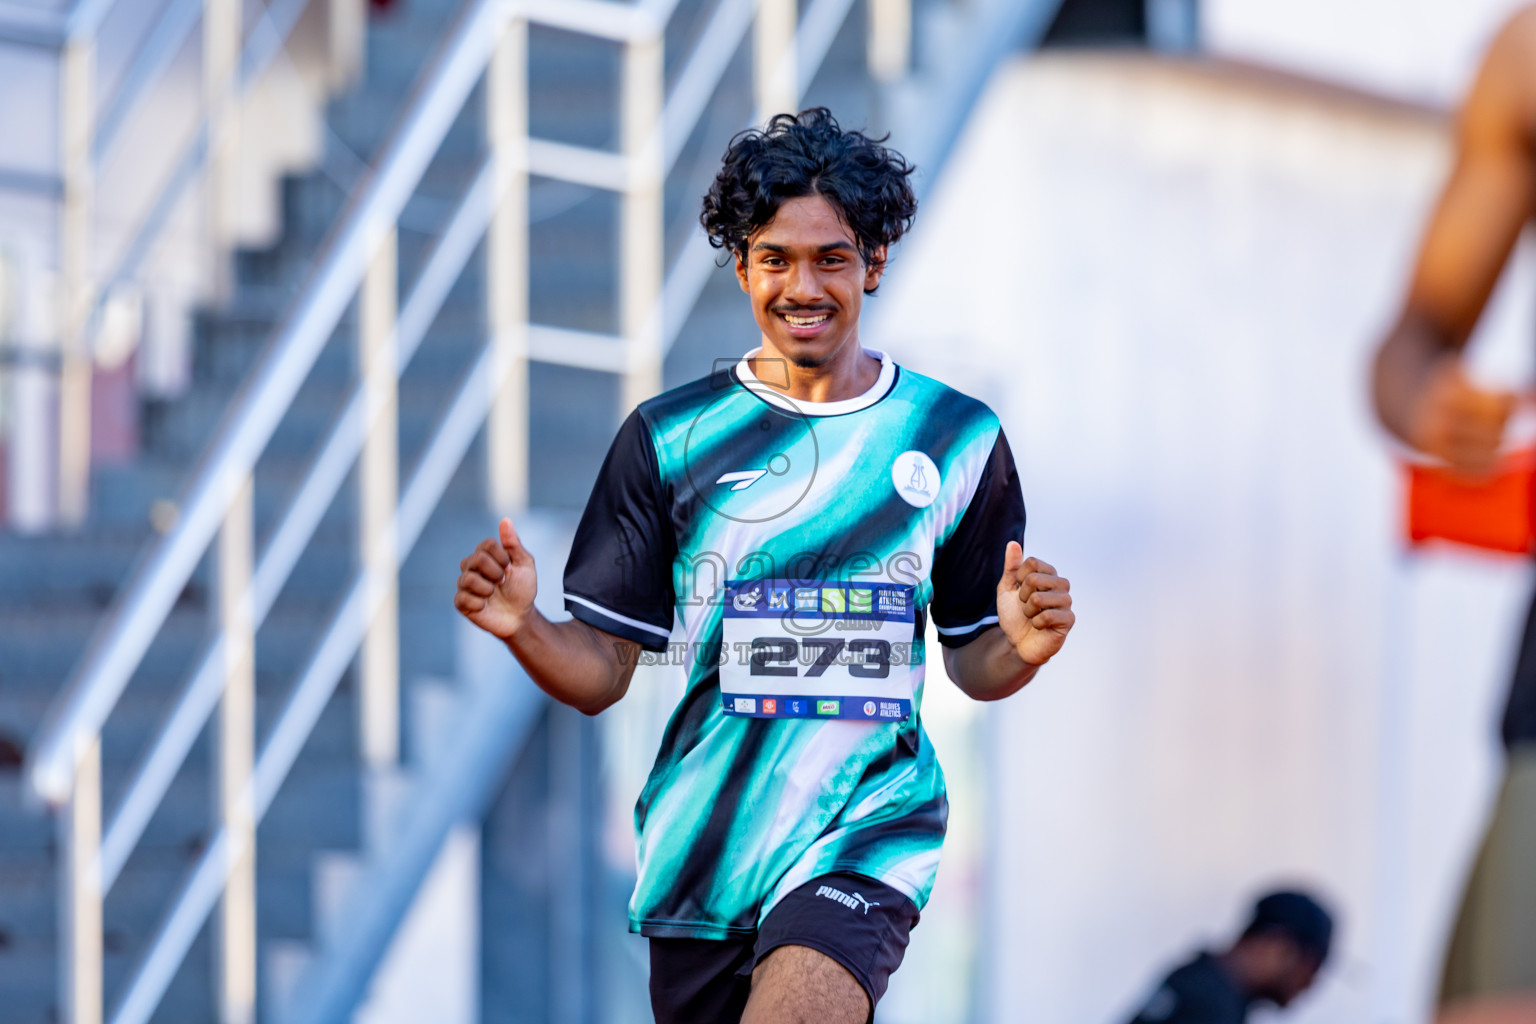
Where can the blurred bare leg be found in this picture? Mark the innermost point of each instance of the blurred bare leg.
(798, 985)
(1491, 1010)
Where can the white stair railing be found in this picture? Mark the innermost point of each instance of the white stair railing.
(90, 126)
(65, 765)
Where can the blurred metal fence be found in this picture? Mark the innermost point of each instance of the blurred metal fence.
(90, 126)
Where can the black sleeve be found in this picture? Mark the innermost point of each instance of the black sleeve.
(968, 565)
(619, 577)
(1197, 993)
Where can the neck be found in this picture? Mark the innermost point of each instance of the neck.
(1240, 968)
(847, 374)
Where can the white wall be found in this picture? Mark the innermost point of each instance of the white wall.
(1168, 284)
(1422, 50)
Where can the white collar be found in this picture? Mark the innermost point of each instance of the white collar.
(774, 396)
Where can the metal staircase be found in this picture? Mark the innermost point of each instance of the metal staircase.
(54, 590)
(275, 570)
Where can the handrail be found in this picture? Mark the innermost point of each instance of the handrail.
(267, 39)
(357, 259)
(319, 487)
(28, 26)
(73, 34)
(53, 29)
(493, 728)
(170, 30)
(144, 603)
(316, 683)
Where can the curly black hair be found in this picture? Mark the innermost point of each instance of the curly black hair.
(804, 156)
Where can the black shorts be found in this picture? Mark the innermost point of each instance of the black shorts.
(859, 922)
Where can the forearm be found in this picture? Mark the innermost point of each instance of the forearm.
(988, 668)
(1403, 367)
(573, 662)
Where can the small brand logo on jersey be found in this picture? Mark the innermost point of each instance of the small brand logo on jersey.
(770, 706)
(778, 600)
(742, 479)
(784, 437)
(746, 705)
(869, 708)
(893, 602)
(825, 707)
(854, 902)
(807, 599)
(746, 600)
(915, 478)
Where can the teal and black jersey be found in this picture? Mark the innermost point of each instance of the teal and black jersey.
(801, 547)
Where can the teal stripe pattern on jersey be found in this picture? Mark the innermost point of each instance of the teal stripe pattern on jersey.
(817, 498)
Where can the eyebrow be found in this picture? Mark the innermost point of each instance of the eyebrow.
(784, 249)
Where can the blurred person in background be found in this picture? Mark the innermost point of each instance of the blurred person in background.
(1424, 396)
(789, 833)
(1274, 960)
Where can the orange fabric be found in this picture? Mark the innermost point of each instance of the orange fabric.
(1494, 513)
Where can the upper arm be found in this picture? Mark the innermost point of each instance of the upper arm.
(618, 579)
(969, 562)
(1491, 190)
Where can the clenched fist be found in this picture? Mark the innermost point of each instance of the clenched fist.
(497, 584)
(1458, 421)
(1034, 606)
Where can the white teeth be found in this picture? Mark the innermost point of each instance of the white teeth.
(806, 321)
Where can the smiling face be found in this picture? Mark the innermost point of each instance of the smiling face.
(807, 281)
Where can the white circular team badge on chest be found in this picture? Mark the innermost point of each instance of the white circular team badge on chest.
(916, 478)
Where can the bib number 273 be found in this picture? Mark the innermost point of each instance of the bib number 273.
(785, 656)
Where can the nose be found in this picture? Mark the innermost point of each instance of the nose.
(804, 285)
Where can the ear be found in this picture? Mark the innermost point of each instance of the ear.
(874, 270)
(741, 272)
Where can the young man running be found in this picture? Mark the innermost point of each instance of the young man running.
(803, 513)
(1424, 397)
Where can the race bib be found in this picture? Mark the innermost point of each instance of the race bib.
(819, 649)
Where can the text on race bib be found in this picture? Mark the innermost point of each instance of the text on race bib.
(817, 649)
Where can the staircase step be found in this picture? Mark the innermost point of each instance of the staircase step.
(362, 121)
(432, 378)
(140, 900)
(284, 963)
(335, 876)
(151, 881)
(43, 644)
(574, 88)
(436, 708)
(386, 792)
(136, 722)
(29, 981)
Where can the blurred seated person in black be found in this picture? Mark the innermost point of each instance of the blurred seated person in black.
(1274, 960)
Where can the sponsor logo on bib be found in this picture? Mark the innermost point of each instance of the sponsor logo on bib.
(827, 649)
